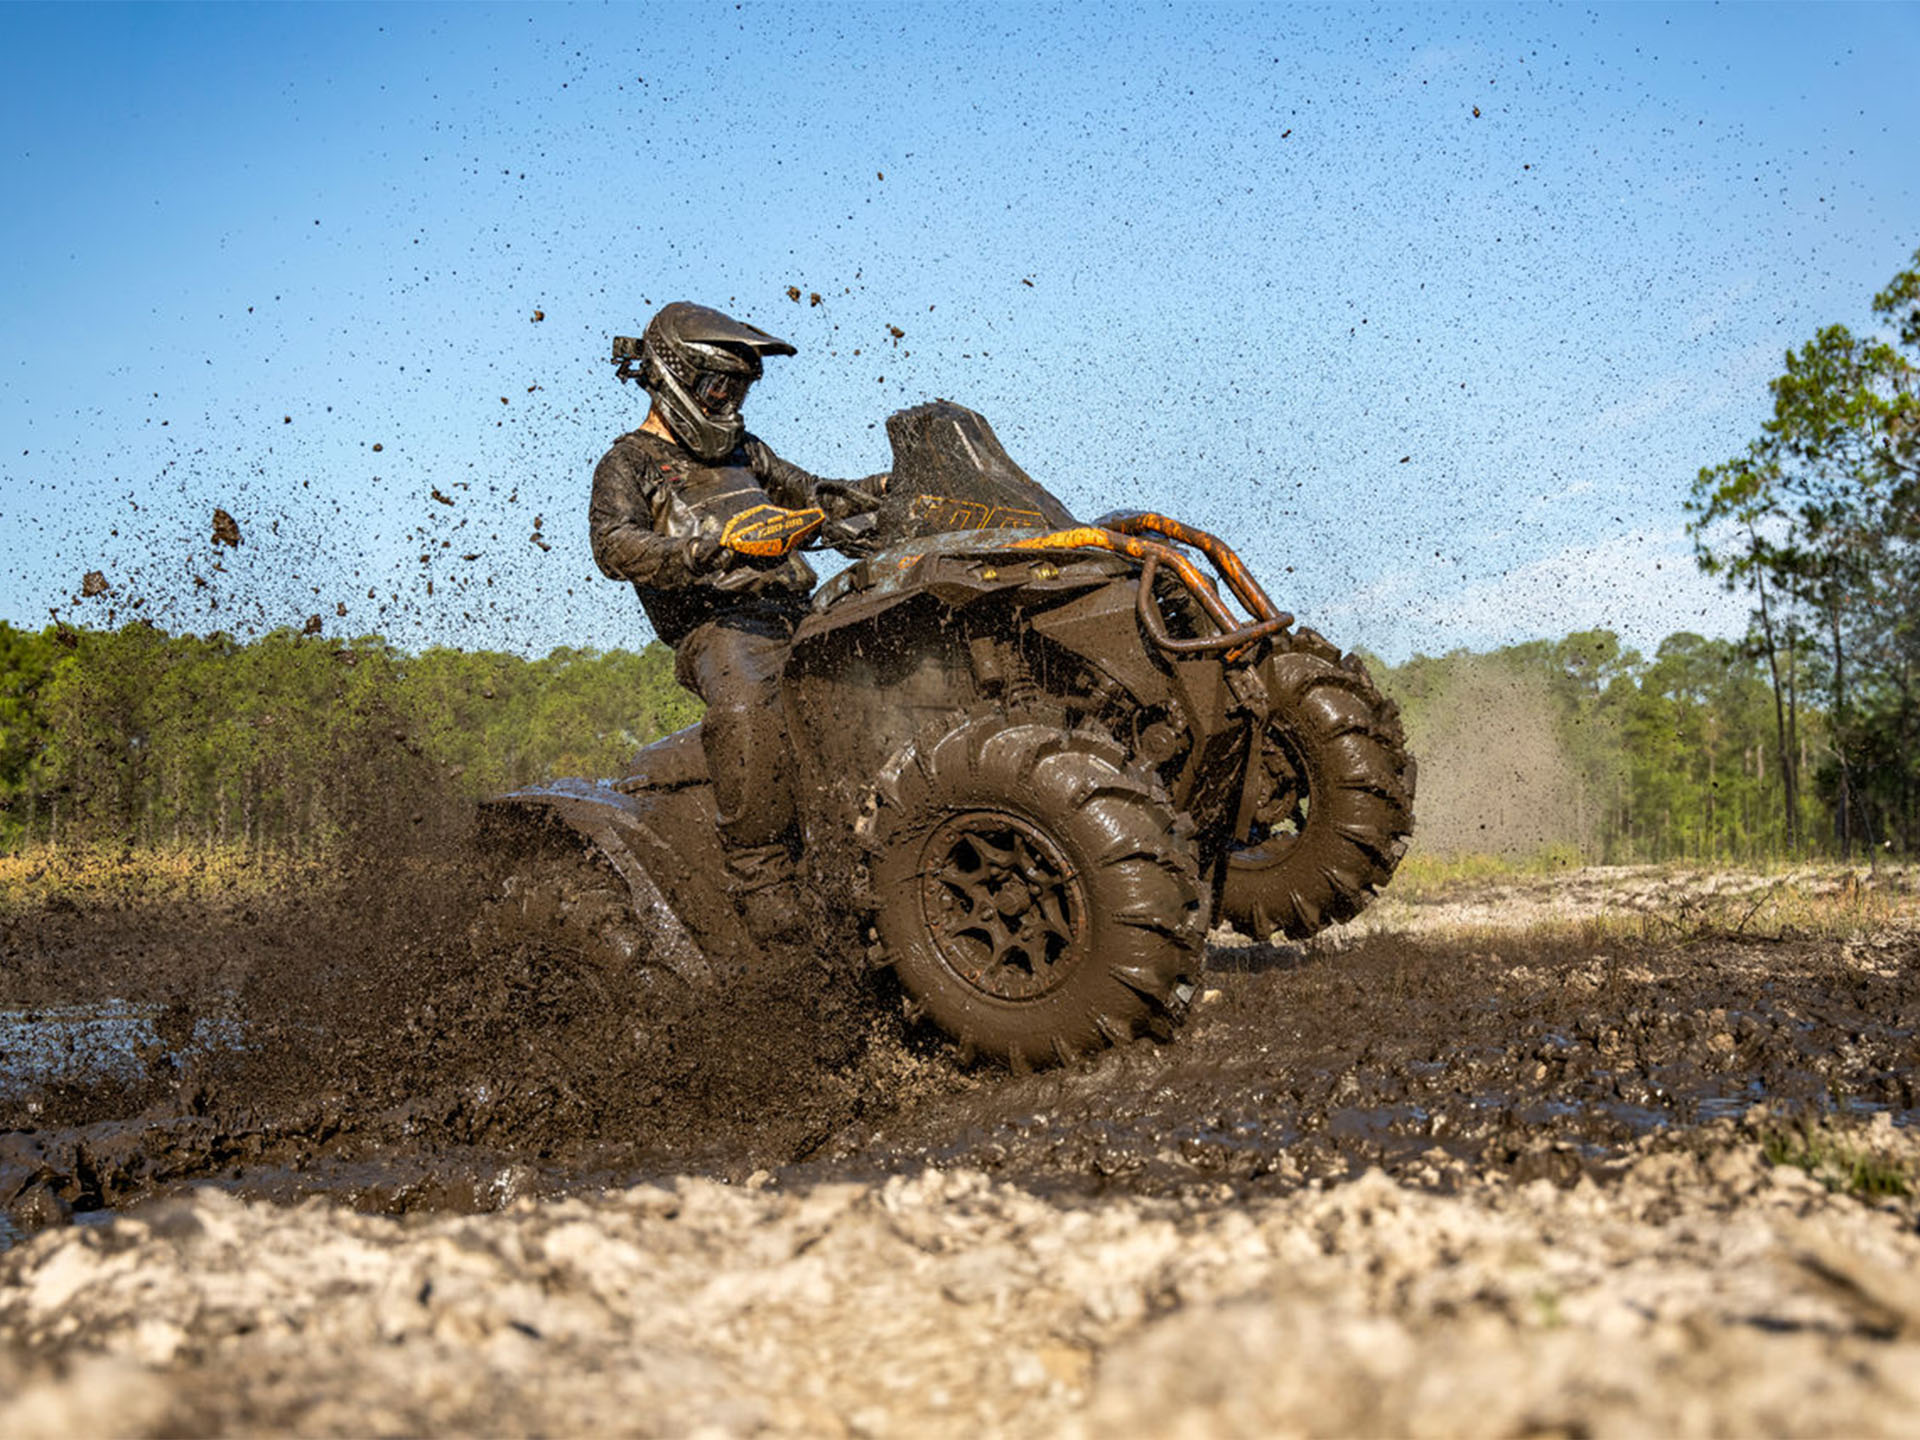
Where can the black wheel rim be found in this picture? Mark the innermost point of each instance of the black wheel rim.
(1005, 908)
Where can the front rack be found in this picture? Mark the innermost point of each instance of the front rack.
(1123, 532)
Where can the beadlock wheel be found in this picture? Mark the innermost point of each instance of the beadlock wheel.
(1035, 898)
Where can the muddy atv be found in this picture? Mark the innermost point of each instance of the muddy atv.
(1035, 761)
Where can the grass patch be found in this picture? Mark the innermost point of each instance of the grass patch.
(1423, 873)
(61, 876)
(1552, 896)
(1803, 904)
(1838, 1163)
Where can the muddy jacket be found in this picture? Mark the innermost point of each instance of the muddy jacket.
(656, 516)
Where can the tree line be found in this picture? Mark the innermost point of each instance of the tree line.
(135, 735)
(277, 743)
(1586, 746)
(1818, 522)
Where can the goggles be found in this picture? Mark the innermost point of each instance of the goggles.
(720, 393)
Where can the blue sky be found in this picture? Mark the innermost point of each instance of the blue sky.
(1443, 377)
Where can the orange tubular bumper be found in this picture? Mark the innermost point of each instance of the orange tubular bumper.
(1122, 532)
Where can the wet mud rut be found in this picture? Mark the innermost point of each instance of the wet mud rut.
(1521, 1182)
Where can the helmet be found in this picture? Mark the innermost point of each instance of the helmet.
(697, 365)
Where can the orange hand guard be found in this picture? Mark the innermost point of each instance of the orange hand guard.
(768, 531)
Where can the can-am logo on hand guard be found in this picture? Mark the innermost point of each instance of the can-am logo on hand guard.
(770, 531)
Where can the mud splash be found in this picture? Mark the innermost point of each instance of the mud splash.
(368, 1039)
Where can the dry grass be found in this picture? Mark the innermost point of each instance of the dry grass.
(115, 875)
(1423, 874)
(1473, 898)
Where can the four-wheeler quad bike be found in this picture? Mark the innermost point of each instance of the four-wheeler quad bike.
(1034, 759)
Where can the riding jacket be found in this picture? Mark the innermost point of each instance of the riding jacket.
(657, 513)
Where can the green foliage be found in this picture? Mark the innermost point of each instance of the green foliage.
(26, 663)
(1819, 520)
(1837, 1162)
(1651, 759)
(137, 735)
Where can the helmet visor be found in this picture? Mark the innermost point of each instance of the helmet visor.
(720, 394)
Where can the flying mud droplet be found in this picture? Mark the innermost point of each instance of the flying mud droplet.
(503, 399)
(793, 293)
(443, 499)
(813, 298)
(378, 447)
(340, 608)
(538, 316)
(226, 530)
(94, 582)
(312, 627)
(897, 333)
(540, 540)
(1476, 112)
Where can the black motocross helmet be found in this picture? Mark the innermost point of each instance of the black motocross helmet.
(697, 365)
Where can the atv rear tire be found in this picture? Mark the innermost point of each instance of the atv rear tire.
(560, 901)
(1034, 898)
(1340, 806)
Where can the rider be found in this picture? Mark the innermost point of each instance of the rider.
(703, 518)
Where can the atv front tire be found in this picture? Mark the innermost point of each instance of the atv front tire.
(1339, 802)
(1034, 898)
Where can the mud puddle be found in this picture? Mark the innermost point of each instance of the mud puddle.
(352, 1047)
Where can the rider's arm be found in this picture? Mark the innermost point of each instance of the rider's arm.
(787, 484)
(620, 519)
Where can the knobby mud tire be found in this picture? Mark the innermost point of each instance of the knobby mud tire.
(566, 911)
(1343, 741)
(1035, 899)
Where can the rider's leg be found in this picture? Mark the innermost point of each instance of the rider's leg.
(733, 663)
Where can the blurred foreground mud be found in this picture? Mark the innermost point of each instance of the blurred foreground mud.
(1593, 1173)
(1705, 1294)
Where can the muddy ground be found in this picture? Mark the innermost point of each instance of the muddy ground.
(1465, 1169)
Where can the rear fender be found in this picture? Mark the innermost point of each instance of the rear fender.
(661, 843)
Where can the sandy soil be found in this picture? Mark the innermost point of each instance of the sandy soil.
(1693, 1295)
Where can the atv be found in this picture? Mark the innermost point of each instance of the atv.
(1035, 760)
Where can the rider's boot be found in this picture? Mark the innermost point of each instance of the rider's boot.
(762, 881)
